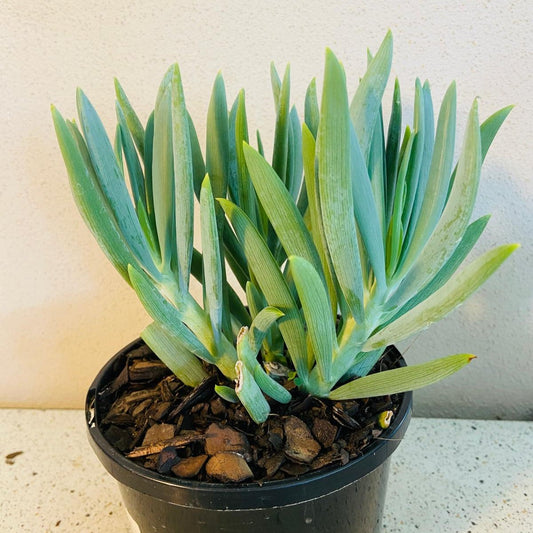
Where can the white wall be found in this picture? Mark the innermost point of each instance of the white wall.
(65, 310)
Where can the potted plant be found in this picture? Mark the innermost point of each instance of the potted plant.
(349, 241)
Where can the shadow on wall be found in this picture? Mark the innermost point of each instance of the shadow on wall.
(494, 324)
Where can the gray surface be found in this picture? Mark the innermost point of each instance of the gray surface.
(447, 476)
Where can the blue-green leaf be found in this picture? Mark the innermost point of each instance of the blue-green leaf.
(334, 179)
(394, 136)
(183, 180)
(312, 113)
(212, 281)
(366, 102)
(454, 219)
(89, 198)
(281, 135)
(272, 284)
(441, 302)
(365, 211)
(112, 182)
(317, 311)
(401, 379)
(163, 173)
(471, 236)
(261, 323)
(133, 123)
(133, 164)
(280, 208)
(174, 353)
(198, 165)
(438, 181)
(250, 394)
(217, 143)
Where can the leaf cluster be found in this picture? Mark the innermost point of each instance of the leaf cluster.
(348, 240)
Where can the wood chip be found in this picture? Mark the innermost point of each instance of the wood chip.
(179, 442)
(189, 467)
(294, 469)
(228, 467)
(217, 407)
(198, 394)
(300, 446)
(225, 439)
(324, 431)
(10, 457)
(159, 433)
(272, 464)
(147, 371)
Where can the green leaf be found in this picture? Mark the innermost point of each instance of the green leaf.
(271, 387)
(198, 165)
(417, 154)
(238, 310)
(133, 123)
(193, 329)
(261, 323)
(401, 379)
(250, 394)
(364, 362)
(442, 301)
(438, 181)
(488, 131)
(471, 236)
(394, 136)
(217, 143)
(163, 173)
(490, 128)
(89, 198)
(366, 102)
(427, 155)
(365, 211)
(212, 282)
(117, 148)
(317, 311)
(272, 284)
(183, 180)
(226, 393)
(454, 219)
(281, 135)
(275, 82)
(148, 182)
(173, 352)
(246, 194)
(260, 148)
(148, 231)
(133, 164)
(317, 229)
(235, 257)
(112, 182)
(334, 179)
(395, 236)
(280, 208)
(312, 113)
(377, 171)
(294, 155)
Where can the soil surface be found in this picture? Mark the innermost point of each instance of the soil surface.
(161, 424)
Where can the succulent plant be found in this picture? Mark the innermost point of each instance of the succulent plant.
(350, 240)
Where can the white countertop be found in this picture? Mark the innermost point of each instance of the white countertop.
(465, 476)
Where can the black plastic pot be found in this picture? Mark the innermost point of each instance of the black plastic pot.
(348, 499)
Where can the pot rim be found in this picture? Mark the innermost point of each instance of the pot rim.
(252, 495)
